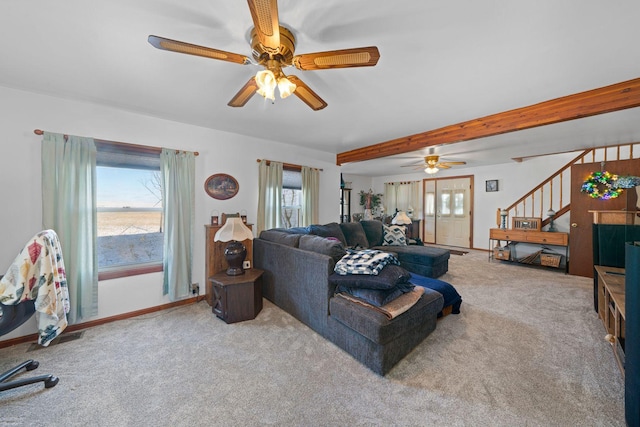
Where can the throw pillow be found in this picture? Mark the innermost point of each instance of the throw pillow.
(377, 297)
(394, 236)
(390, 276)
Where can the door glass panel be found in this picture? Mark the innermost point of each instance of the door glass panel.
(458, 203)
(445, 203)
(430, 204)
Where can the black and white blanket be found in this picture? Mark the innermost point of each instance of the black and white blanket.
(367, 261)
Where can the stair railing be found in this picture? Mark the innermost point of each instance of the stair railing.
(554, 193)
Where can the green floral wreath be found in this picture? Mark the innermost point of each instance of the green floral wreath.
(592, 183)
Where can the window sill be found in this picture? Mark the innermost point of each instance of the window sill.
(129, 271)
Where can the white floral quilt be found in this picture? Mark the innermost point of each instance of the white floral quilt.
(38, 274)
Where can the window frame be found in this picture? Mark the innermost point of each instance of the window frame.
(112, 147)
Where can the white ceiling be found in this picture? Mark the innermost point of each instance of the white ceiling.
(441, 63)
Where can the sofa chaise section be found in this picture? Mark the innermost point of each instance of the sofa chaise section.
(296, 278)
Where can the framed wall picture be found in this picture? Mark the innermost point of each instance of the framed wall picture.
(221, 186)
(492, 185)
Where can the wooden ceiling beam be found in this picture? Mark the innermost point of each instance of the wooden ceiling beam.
(602, 100)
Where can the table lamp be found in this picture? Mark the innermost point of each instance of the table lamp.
(552, 214)
(401, 218)
(234, 231)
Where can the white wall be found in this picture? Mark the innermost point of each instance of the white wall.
(514, 181)
(20, 189)
(358, 183)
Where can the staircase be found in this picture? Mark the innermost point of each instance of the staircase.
(554, 193)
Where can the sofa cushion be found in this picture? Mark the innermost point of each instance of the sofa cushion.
(355, 235)
(390, 276)
(394, 235)
(425, 255)
(374, 231)
(282, 237)
(328, 230)
(376, 326)
(332, 248)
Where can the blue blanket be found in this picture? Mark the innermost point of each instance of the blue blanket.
(451, 296)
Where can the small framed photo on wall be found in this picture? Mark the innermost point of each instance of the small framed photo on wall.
(492, 185)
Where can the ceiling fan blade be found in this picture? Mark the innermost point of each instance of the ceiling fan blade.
(356, 57)
(442, 166)
(454, 163)
(244, 94)
(308, 96)
(192, 49)
(265, 19)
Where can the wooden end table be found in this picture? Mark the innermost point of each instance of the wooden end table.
(236, 298)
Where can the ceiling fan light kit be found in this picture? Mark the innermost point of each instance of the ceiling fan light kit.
(431, 170)
(273, 47)
(432, 164)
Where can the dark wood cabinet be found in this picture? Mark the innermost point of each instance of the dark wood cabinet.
(236, 298)
(413, 229)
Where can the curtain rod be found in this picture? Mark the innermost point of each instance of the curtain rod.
(287, 165)
(41, 132)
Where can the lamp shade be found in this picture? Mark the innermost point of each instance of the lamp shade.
(233, 229)
(266, 82)
(401, 218)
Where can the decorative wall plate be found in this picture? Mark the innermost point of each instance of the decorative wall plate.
(221, 186)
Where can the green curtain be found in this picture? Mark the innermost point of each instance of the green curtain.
(69, 208)
(178, 206)
(310, 196)
(269, 196)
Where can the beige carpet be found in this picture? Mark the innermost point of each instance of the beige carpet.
(527, 350)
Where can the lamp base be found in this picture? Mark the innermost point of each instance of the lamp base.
(235, 254)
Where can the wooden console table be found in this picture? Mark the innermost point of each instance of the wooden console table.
(513, 236)
(611, 307)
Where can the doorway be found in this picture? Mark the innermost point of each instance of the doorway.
(448, 211)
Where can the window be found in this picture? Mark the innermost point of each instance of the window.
(458, 203)
(445, 203)
(291, 198)
(430, 204)
(129, 217)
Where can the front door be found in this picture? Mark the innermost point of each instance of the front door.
(448, 211)
(580, 238)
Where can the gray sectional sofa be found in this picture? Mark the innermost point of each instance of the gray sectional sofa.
(297, 268)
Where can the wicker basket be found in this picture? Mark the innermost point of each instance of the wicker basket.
(550, 260)
(502, 253)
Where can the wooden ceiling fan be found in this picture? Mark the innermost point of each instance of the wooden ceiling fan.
(273, 47)
(432, 164)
